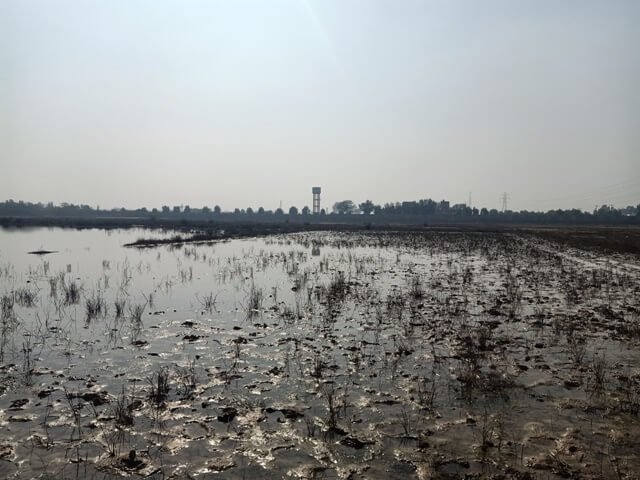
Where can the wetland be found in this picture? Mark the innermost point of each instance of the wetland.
(322, 354)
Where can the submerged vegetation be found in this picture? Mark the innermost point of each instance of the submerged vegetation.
(323, 355)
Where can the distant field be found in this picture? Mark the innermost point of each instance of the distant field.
(620, 239)
(613, 239)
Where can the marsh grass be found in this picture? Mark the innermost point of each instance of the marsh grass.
(122, 411)
(187, 379)
(25, 297)
(405, 421)
(416, 290)
(253, 304)
(136, 311)
(599, 369)
(7, 303)
(27, 360)
(577, 350)
(53, 286)
(329, 393)
(119, 304)
(75, 407)
(208, 302)
(159, 386)
(95, 305)
(427, 391)
(71, 292)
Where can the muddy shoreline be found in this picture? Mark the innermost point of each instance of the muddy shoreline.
(605, 238)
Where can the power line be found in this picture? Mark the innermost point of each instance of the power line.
(597, 192)
(620, 194)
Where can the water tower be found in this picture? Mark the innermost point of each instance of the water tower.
(316, 200)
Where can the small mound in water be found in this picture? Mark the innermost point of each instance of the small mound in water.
(134, 462)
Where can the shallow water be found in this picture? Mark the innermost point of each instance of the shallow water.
(315, 356)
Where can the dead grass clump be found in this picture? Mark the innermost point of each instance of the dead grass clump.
(159, 383)
(71, 292)
(577, 350)
(338, 287)
(25, 297)
(416, 290)
(7, 302)
(120, 303)
(208, 302)
(426, 391)
(53, 287)
(473, 377)
(629, 389)
(599, 368)
(631, 326)
(122, 411)
(187, 379)
(136, 311)
(329, 394)
(254, 302)
(95, 305)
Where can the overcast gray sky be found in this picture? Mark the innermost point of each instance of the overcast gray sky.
(249, 103)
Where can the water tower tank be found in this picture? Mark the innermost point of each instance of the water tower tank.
(316, 199)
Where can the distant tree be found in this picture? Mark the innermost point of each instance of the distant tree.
(293, 211)
(607, 211)
(344, 207)
(261, 211)
(217, 209)
(305, 210)
(279, 211)
(409, 211)
(367, 207)
(427, 206)
(250, 210)
(236, 211)
(187, 209)
(323, 211)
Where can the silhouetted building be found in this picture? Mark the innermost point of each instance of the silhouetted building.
(443, 206)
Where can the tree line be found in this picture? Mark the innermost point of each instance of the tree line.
(421, 211)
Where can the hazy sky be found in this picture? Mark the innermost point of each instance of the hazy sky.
(249, 103)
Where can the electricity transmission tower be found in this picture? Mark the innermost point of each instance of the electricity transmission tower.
(505, 198)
